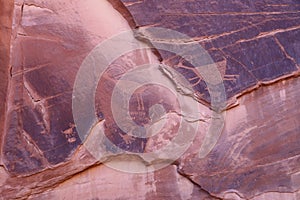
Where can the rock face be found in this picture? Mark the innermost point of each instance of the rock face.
(163, 185)
(5, 33)
(258, 151)
(48, 47)
(253, 42)
(255, 46)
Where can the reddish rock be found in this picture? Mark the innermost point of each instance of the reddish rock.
(164, 184)
(6, 12)
(258, 151)
(48, 47)
(255, 46)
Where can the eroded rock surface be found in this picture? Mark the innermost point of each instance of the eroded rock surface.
(255, 46)
(50, 41)
(164, 184)
(258, 151)
(253, 42)
(6, 12)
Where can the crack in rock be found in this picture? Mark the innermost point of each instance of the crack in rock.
(36, 6)
(27, 88)
(188, 177)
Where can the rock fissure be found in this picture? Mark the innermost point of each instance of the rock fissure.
(188, 177)
(34, 100)
(265, 35)
(285, 53)
(36, 6)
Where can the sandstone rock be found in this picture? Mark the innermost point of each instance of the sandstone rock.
(249, 38)
(249, 42)
(258, 151)
(48, 47)
(5, 33)
(255, 46)
(165, 184)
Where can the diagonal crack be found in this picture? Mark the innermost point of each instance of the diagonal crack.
(30, 94)
(32, 143)
(284, 51)
(188, 177)
(181, 84)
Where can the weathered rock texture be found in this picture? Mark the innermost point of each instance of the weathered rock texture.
(259, 148)
(256, 46)
(49, 44)
(6, 11)
(253, 160)
(165, 184)
(253, 42)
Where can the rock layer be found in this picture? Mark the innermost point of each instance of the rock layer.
(165, 184)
